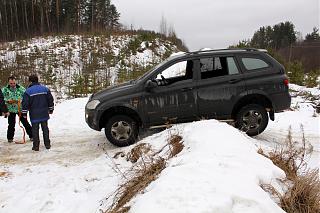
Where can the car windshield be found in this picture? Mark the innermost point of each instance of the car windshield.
(156, 67)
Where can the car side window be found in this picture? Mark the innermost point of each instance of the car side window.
(217, 66)
(254, 63)
(180, 71)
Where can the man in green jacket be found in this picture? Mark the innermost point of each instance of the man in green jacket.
(13, 97)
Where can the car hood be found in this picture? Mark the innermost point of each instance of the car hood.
(113, 90)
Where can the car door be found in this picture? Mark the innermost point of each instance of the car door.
(220, 85)
(174, 98)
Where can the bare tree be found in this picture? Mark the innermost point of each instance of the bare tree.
(16, 15)
(32, 6)
(57, 15)
(92, 14)
(11, 19)
(26, 15)
(172, 32)
(41, 19)
(47, 15)
(163, 26)
(6, 19)
(1, 24)
(78, 15)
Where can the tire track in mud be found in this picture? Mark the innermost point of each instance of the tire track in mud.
(65, 150)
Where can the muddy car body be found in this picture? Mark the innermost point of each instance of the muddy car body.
(239, 85)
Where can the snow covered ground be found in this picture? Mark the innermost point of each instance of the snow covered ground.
(218, 170)
(60, 60)
(303, 116)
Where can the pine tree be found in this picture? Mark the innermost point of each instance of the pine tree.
(314, 36)
(113, 17)
(278, 36)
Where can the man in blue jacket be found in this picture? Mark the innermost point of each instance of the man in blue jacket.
(3, 107)
(39, 102)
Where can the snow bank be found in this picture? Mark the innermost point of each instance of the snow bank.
(219, 170)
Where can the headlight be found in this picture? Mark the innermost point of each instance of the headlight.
(92, 104)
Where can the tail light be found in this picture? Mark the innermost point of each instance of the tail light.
(286, 82)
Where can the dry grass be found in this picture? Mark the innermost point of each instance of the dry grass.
(304, 195)
(291, 156)
(146, 169)
(136, 184)
(303, 185)
(176, 145)
(121, 154)
(137, 152)
(4, 174)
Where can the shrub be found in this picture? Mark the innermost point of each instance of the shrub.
(295, 72)
(311, 79)
(303, 185)
(147, 166)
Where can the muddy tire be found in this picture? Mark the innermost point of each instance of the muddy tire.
(252, 119)
(121, 130)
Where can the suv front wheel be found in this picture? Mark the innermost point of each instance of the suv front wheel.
(252, 119)
(121, 130)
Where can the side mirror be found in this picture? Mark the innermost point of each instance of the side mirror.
(150, 85)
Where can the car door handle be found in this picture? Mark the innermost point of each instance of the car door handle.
(186, 89)
(233, 81)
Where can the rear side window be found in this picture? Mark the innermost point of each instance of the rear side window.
(232, 67)
(217, 66)
(254, 63)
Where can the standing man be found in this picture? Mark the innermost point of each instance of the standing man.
(39, 102)
(13, 96)
(3, 107)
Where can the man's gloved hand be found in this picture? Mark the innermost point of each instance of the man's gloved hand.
(50, 112)
(12, 101)
(24, 115)
(6, 114)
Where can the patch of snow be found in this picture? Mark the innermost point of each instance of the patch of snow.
(304, 115)
(205, 49)
(313, 91)
(218, 170)
(177, 54)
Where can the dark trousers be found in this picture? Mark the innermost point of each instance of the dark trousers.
(12, 124)
(35, 133)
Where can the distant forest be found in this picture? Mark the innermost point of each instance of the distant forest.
(28, 18)
(287, 45)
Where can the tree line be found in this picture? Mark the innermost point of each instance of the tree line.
(279, 36)
(299, 55)
(27, 18)
(276, 37)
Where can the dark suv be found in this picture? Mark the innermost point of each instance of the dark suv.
(237, 85)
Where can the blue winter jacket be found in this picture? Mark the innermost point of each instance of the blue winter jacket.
(38, 101)
(3, 107)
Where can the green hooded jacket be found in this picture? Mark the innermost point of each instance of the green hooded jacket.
(12, 97)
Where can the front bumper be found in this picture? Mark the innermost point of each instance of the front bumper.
(91, 119)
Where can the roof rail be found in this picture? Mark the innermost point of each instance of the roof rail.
(226, 49)
(255, 49)
(205, 51)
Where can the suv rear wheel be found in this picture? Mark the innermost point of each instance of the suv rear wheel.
(121, 130)
(252, 119)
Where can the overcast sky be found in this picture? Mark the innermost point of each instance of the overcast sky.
(218, 23)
